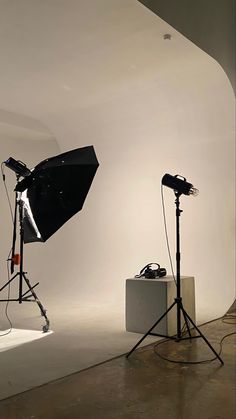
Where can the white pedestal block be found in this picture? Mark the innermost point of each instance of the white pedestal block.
(148, 299)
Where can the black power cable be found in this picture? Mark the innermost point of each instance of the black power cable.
(6, 190)
(229, 316)
(224, 318)
(8, 298)
(8, 272)
(205, 361)
(166, 233)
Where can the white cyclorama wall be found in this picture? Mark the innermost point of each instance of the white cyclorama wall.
(105, 76)
(120, 228)
(138, 137)
(31, 151)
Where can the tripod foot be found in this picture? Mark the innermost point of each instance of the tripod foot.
(45, 327)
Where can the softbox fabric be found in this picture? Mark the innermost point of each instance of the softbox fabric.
(57, 189)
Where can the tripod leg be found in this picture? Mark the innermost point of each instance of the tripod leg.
(8, 282)
(203, 337)
(149, 331)
(29, 290)
(42, 309)
(186, 321)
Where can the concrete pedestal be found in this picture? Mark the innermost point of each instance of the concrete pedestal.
(148, 299)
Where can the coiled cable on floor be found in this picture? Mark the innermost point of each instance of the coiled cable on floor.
(205, 361)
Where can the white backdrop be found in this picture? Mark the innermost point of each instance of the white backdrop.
(148, 108)
(121, 227)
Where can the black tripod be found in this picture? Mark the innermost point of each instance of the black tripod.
(178, 300)
(29, 295)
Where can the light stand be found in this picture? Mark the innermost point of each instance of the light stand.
(49, 195)
(178, 185)
(23, 296)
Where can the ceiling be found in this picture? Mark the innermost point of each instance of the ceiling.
(209, 24)
(62, 58)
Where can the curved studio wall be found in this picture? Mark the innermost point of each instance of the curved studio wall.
(176, 117)
(149, 106)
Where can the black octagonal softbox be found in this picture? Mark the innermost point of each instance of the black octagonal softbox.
(55, 191)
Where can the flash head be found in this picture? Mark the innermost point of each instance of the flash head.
(18, 167)
(179, 184)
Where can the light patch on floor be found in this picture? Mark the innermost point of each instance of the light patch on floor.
(19, 337)
(85, 334)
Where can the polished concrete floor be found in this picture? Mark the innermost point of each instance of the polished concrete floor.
(82, 337)
(143, 386)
